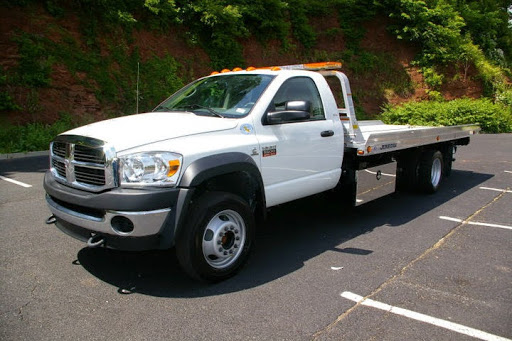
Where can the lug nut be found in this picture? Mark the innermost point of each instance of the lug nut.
(220, 249)
(230, 252)
(236, 231)
(235, 246)
(225, 253)
(237, 238)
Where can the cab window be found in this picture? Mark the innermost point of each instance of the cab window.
(299, 89)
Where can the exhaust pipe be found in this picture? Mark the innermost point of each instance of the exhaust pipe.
(96, 241)
(51, 220)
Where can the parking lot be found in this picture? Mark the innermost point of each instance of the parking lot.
(402, 267)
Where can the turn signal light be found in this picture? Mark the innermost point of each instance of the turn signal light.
(174, 166)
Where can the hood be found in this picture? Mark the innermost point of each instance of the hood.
(136, 130)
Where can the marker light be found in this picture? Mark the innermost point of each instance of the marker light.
(308, 66)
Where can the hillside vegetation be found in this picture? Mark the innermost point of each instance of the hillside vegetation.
(65, 63)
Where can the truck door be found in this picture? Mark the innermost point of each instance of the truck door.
(301, 157)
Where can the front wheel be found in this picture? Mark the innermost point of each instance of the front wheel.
(217, 237)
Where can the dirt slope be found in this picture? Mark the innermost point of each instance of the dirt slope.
(68, 92)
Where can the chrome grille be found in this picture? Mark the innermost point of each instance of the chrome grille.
(90, 176)
(84, 163)
(87, 154)
(59, 149)
(60, 167)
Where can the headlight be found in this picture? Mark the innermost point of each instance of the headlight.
(150, 169)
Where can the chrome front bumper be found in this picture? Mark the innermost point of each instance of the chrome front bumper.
(145, 223)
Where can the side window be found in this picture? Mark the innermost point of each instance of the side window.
(299, 89)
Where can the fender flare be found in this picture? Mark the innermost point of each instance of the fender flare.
(211, 166)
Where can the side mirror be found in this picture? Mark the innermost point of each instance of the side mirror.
(294, 111)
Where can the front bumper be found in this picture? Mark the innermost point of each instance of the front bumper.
(127, 219)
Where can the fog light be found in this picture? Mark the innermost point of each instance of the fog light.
(122, 225)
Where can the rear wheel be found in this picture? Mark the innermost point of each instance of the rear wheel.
(430, 172)
(217, 237)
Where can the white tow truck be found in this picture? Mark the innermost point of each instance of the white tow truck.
(206, 164)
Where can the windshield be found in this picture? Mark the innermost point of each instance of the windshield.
(223, 96)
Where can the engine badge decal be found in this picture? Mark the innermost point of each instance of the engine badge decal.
(246, 129)
(269, 151)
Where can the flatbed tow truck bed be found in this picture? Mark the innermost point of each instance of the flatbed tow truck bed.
(375, 137)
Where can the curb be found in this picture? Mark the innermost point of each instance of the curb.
(22, 155)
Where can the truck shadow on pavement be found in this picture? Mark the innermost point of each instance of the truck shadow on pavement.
(293, 234)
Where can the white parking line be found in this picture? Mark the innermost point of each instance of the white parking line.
(475, 223)
(423, 318)
(496, 189)
(19, 183)
(508, 172)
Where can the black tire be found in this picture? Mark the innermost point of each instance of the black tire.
(430, 171)
(217, 237)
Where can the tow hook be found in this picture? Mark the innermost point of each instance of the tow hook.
(96, 241)
(51, 220)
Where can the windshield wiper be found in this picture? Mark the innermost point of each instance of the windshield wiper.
(160, 108)
(197, 106)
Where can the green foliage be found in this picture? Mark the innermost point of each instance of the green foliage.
(382, 68)
(434, 25)
(302, 31)
(260, 19)
(33, 136)
(35, 65)
(487, 24)
(457, 32)
(158, 80)
(492, 117)
(432, 78)
(352, 13)
(6, 100)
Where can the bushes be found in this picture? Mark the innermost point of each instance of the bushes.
(492, 117)
(33, 136)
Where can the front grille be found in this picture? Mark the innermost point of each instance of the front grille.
(90, 176)
(87, 154)
(60, 167)
(84, 163)
(59, 149)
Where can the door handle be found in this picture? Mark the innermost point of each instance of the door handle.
(327, 133)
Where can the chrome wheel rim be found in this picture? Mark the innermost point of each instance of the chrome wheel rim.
(435, 173)
(223, 239)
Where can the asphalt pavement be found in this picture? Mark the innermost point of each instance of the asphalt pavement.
(402, 267)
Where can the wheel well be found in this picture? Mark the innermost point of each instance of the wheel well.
(240, 183)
